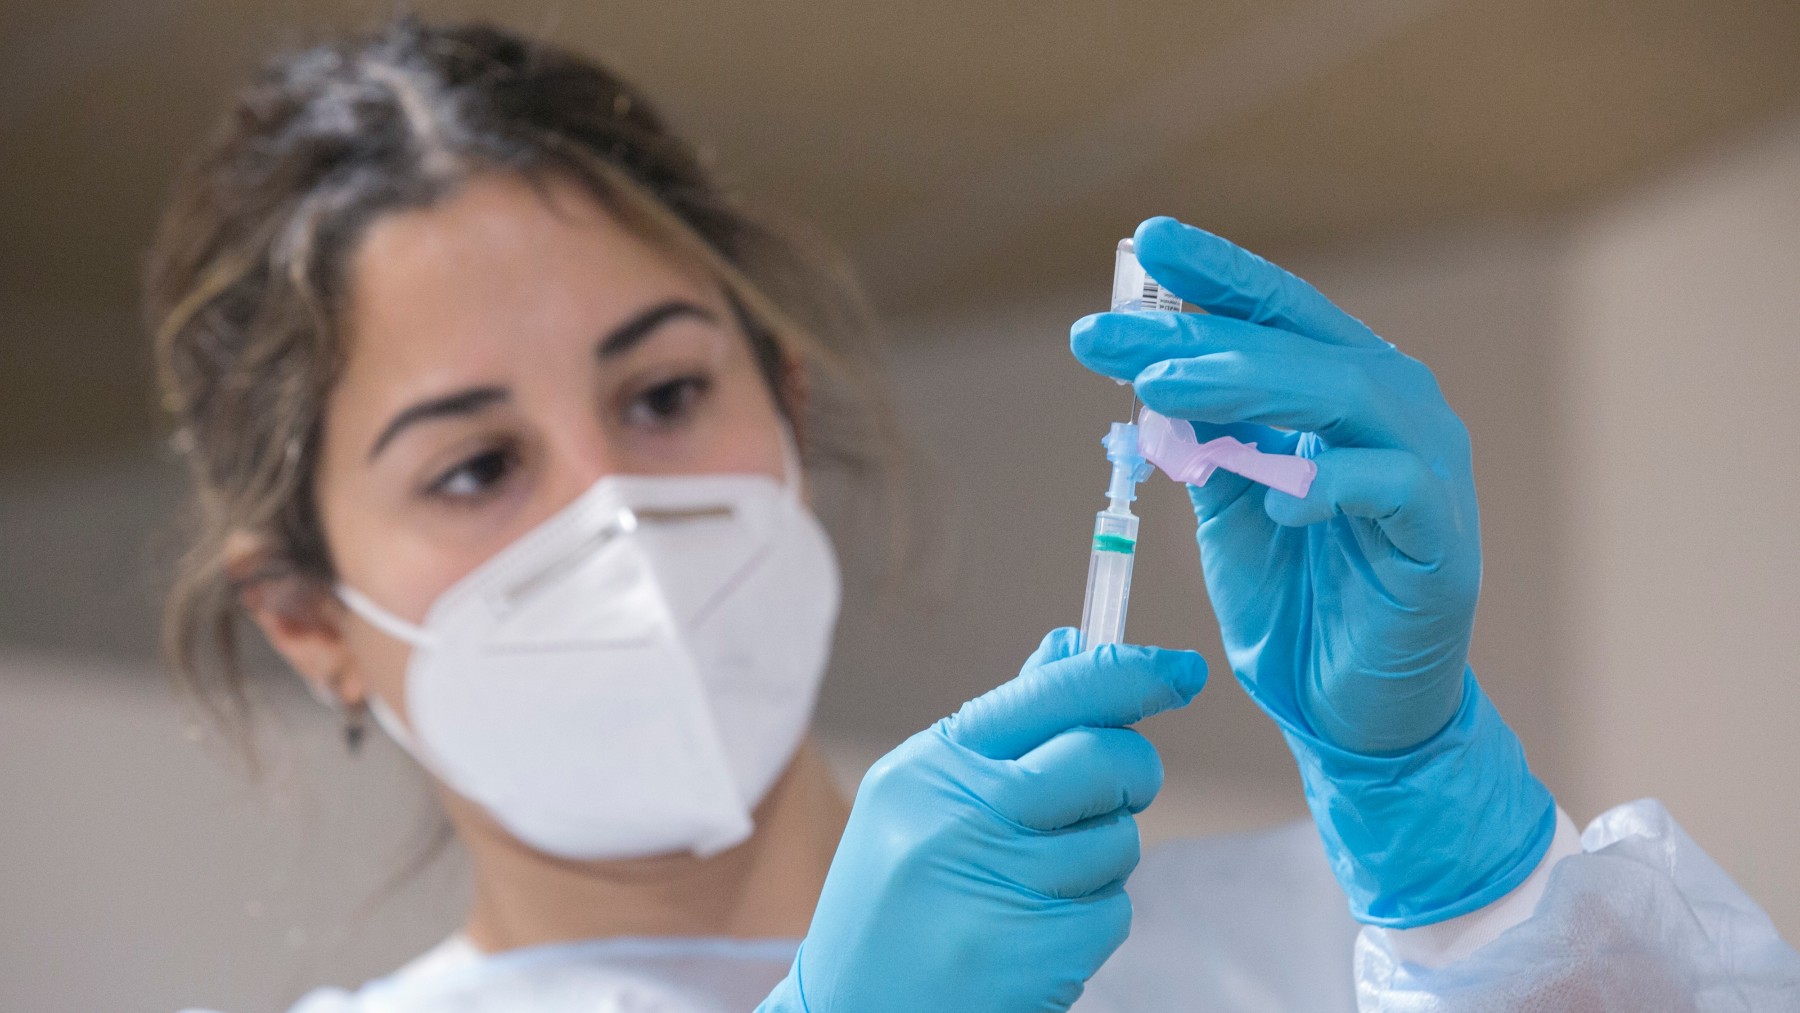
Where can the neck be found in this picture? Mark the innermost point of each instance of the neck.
(764, 887)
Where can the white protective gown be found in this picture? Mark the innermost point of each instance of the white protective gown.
(1629, 916)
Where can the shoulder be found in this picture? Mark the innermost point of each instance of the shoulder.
(327, 1000)
(1255, 919)
(1241, 889)
(441, 960)
(319, 1000)
(690, 974)
(1286, 861)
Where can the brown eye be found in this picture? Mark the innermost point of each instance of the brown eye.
(668, 404)
(475, 476)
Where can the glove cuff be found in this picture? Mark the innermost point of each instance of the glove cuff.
(1443, 829)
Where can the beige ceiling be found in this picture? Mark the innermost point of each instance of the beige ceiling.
(954, 149)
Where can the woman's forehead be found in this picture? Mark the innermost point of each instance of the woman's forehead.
(502, 247)
(503, 268)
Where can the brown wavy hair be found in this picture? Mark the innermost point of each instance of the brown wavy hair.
(245, 283)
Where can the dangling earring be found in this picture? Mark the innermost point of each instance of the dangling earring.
(355, 724)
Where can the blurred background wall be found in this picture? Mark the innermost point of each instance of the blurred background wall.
(1585, 216)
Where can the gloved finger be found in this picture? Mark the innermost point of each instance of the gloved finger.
(1264, 438)
(1122, 345)
(1062, 642)
(1078, 775)
(1345, 405)
(1393, 488)
(1223, 278)
(1086, 931)
(1110, 686)
(1035, 960)
(1111, 913)
(1089, 858)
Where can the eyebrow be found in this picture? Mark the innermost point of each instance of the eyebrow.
(630, 333)
(464, 402)
(616, 342)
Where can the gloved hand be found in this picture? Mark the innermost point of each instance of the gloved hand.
(984, 864)
(1347, 614)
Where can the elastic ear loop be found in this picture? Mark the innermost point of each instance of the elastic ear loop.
(381, 618)
(394, 727)
(400, 630)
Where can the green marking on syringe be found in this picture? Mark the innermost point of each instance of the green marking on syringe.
(1114, 543)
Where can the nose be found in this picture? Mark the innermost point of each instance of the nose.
(582, 453)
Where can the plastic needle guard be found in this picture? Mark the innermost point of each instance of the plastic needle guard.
(1172, 447)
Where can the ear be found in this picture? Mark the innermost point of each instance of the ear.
(299, 616)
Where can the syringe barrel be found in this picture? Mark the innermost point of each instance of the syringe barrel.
(1109, 579)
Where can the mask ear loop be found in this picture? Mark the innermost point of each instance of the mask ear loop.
(380, 618)
(396, 729)
(375, 706)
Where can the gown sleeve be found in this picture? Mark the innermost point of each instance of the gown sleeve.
(1639, 919)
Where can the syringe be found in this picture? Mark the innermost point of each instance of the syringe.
(1115, 528)
(1115, 542)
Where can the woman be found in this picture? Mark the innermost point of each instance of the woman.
(501, 416)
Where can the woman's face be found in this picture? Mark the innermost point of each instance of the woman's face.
(506, 349)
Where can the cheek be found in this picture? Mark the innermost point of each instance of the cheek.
(754, 448)
(379, 547)
(751, 432)
(404, 571)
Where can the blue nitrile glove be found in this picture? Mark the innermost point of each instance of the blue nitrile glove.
(1347, 614)
(984, 865)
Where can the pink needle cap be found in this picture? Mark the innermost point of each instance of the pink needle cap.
(1173, 448)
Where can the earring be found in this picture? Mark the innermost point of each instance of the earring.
(355, 724)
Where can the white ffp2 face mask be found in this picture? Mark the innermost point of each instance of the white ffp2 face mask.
(630, 677)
